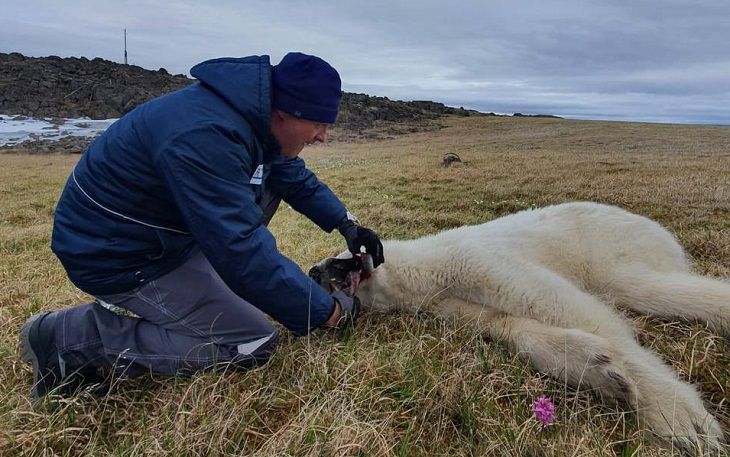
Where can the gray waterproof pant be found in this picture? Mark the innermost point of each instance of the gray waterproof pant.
(186, 320)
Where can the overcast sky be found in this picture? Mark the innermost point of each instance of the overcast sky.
(640, 60)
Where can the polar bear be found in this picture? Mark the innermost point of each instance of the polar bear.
(544, 281)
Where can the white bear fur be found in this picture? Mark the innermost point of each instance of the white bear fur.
(544, 281)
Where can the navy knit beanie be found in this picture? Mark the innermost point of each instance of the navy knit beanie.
(306, 87)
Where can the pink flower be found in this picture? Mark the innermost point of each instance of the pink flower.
(544, 410)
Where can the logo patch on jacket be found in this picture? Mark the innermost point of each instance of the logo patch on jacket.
(258, 175)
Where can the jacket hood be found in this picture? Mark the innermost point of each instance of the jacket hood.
(244, 82)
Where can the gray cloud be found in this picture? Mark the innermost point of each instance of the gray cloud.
(663, 61)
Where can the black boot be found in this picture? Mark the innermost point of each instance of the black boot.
(37, 344)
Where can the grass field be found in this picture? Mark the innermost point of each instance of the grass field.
(399, 385)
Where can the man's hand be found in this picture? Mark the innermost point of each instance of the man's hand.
(346, 311)
(357, 237)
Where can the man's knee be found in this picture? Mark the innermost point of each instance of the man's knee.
(257, 352)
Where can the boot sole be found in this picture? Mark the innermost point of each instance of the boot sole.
(27, 353)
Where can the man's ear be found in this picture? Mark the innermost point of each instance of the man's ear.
(277, 114)
(277, 121)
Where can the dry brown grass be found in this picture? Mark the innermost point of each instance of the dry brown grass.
(399, 385)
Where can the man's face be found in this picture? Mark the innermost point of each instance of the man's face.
(293, 133)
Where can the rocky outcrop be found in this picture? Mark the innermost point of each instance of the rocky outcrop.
(78, 87)
(360, 112)
(101, 89)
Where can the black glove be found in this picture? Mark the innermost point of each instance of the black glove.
(349, 310)
(357, 236)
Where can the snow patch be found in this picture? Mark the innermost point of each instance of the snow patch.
(15, 130)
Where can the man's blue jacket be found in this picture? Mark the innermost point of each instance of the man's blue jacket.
(186, 169)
